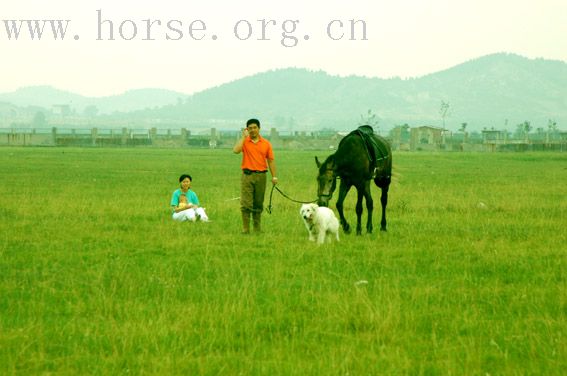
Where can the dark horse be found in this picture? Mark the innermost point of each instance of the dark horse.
(361, 156)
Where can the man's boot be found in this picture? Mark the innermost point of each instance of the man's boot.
(257, 222)
(245, 222)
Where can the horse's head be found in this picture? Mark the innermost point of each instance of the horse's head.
(326, 180)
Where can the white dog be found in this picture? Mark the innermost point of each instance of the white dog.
(319, 221)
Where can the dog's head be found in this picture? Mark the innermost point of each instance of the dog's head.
(307, 211)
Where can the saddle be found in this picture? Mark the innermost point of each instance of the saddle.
(376, 151)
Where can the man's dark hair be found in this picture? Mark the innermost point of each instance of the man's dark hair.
(182, 177)
(253, 121)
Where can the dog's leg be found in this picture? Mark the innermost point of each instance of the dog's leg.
(309, 227)
(321, 237)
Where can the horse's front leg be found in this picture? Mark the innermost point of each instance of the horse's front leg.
(343, 190)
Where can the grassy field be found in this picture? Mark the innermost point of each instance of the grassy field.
(95, 277)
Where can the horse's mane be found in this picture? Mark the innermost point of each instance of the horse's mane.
(329, 161)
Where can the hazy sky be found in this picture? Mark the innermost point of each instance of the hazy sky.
(233, 39)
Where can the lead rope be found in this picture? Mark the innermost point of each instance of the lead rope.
(286, 196)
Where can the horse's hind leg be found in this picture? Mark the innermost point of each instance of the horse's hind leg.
(384, 185)
(360, 195)
(384, 202)
(369, 207)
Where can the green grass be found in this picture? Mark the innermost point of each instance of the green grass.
(95, 277)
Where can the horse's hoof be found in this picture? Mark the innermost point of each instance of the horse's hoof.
(346, 229)
(383, 229)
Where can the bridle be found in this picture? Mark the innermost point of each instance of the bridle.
(333, 185)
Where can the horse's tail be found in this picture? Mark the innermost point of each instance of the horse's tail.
(396, 177)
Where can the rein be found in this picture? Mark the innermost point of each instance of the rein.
(286, 196)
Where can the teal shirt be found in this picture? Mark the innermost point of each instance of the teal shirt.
(191, 197)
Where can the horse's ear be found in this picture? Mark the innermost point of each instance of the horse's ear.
(317, 162)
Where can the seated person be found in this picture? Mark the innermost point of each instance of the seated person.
(185, 203)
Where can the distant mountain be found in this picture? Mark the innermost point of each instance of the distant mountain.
(41, 96)
(499, 90)
(132, 100)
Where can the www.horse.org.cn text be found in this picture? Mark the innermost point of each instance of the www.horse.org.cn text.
(286, 32)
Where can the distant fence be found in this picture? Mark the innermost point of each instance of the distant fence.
(97, 137)
(212, 138)
(154, 137)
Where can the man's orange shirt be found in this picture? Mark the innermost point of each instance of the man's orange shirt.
(254, 155)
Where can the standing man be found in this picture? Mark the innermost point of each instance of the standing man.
(257, 158)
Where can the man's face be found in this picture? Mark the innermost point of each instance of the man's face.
(253, 130)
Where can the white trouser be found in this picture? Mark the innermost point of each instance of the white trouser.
(191, 214)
